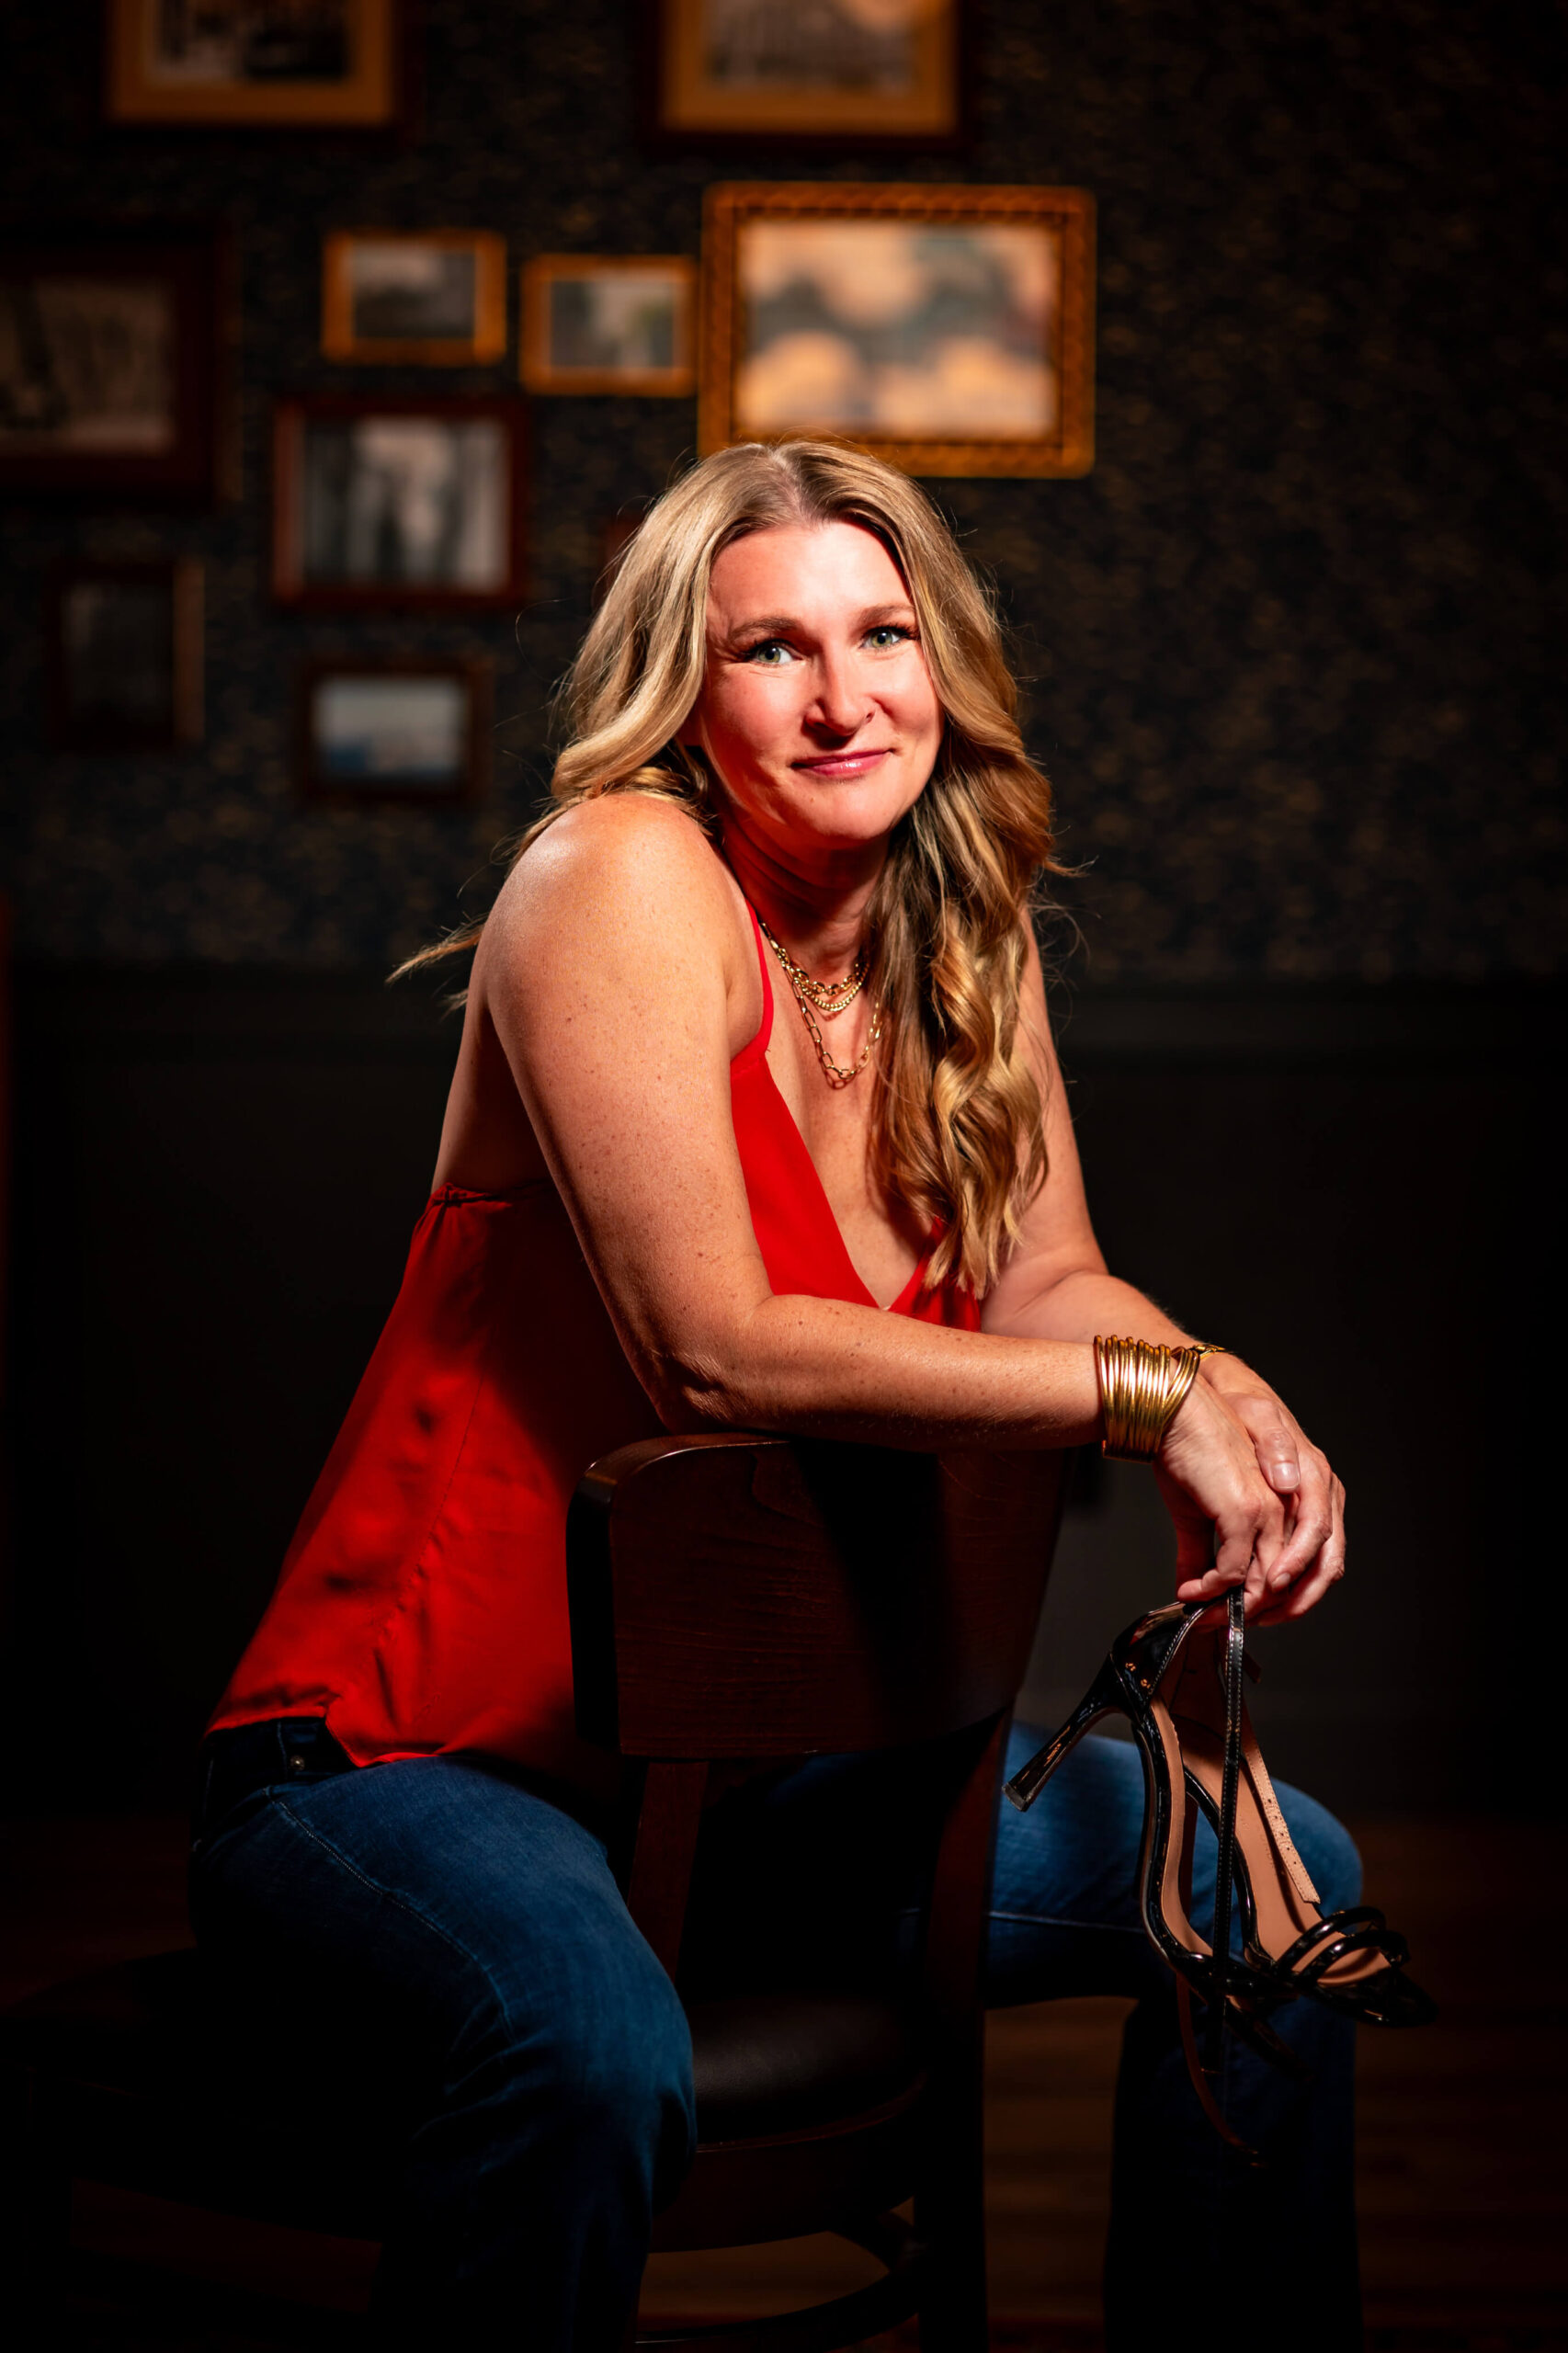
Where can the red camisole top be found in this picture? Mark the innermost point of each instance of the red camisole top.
(422, 1606)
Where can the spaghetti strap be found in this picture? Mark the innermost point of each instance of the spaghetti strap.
(755, 1051)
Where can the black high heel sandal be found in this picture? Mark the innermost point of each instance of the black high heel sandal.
(1179, 1681)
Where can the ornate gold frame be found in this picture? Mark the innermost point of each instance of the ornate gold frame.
(1069, 212)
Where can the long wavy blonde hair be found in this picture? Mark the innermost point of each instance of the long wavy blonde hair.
(956, 1120)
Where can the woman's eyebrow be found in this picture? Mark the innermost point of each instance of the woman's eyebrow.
(786, 624)
(768, 625)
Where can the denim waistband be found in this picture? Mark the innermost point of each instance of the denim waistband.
(236, 1763)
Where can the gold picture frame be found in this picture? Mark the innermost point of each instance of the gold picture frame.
(743, 70)
(321, 64)
(815, 297)
(632, 329)
(403, 297)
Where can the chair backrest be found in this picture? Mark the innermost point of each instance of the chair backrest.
(739, 1596)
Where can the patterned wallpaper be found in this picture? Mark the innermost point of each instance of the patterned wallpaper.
(1291, 648)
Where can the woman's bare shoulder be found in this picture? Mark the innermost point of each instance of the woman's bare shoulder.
(617, 870)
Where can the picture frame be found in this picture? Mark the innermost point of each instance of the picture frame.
(398, 501)
(113, 374)
(410, 730)
(249, 64)
(857, 74)
(125, 656)
(947, 329)
(611, 323)
(420, 298)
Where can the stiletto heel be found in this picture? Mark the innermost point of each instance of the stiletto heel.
(1181, 1690)
(1102, 1697)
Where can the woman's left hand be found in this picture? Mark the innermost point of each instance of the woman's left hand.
(1299, 1472)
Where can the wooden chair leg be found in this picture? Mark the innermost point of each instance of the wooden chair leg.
(949, 2219)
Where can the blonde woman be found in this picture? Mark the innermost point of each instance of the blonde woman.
(756, 1124)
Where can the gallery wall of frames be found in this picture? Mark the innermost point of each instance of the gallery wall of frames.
(342, 348)
(348, 340)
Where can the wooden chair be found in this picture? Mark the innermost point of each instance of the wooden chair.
(732, 1597)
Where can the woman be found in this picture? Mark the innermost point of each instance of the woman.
(756, 1123)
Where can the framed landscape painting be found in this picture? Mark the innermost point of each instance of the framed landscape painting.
(852, 72)
(264, 64)
(424, 298)
(125, 656)
(110, 366)
(947, 329)
(397, 502)
(596, 323)
(404, 729)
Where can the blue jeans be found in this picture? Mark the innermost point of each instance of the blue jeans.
(472, 1925)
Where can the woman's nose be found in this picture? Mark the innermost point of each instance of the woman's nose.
(840, 705)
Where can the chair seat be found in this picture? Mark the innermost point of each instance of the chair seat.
(151, 2078)
(780, 2063)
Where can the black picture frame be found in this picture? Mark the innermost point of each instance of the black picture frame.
(125, 656)
(153, 306)
(360, 782)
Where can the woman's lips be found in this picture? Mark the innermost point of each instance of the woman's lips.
(840, 764)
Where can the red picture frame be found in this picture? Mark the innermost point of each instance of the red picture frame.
(350, 503)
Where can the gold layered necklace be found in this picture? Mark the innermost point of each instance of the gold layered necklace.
(828, 997)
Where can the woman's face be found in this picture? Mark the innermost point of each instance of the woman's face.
(817, 711)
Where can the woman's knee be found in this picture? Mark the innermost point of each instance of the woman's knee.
(606, 2054)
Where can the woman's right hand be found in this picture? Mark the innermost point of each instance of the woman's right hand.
(1230, 1523)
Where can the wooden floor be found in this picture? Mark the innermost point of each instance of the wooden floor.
(1463, 2189)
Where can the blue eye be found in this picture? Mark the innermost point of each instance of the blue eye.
(888, 634)
(772, 654)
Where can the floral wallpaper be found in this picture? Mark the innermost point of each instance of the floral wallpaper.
(1293, 650)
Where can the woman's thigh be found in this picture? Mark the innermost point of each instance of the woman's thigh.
(819, 1873)
(445, 1914)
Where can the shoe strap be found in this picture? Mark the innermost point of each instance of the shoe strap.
(1356, 1929)
(1233, 1656)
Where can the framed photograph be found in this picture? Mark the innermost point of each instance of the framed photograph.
(852, 72)
(110, 379)
(125, 656)
(407, 730)
(425, 298)
(264, 64)
(397, 502)
(596, 323)
(947, 329)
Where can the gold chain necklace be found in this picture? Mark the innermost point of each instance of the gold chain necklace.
(830, 997)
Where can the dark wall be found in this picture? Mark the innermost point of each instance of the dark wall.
(1292, 641)
(1290, 651)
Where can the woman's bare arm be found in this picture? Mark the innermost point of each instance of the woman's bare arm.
(1057, 1286)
